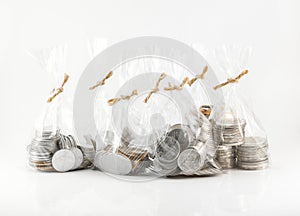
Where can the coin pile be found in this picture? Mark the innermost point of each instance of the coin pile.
(69, 157)
(167, 152)
(50, 151)
(177, 150)
(192, 159)
(226, 156)
(253, 155)
(180, 152)
(41, 150)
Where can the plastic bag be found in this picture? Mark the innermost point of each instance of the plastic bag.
(241, 139)
(149, 122)
(53, 148)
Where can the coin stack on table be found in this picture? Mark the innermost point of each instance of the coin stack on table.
(228, 132)
(52, 151)
(226, 156)
(253, 154)
(41, 150)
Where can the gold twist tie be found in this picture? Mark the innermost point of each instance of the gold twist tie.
(199, 76)
(231, 80)
(57, 91)
(102, 82)
(172, 87)
(122, 97)
(156, 89)
(186, 80)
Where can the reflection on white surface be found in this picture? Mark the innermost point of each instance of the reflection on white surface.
(91, 192)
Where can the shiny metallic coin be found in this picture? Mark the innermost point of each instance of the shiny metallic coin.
(226, 156)
(253, 165)
(78, 157)
(88, 152)
(163, 169)
(63, 160)
(181, 133)
(113, 163)
(191, 160)
(253, 155)
(168, 150)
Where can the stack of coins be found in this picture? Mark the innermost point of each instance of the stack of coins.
(69, 157)
(253, 155)
(41, 150)
(226, 156)
(230, 132)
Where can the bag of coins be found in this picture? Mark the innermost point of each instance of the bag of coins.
(242, 141)
(149, 123)
(52, 147)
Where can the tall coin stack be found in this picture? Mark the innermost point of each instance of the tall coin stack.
(226, 156)
(41, 150)
(253, 154)
(228, 132)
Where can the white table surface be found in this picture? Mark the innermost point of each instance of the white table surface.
(268, 192)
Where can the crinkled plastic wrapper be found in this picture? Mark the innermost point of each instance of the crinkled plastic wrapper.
(152, 119)
(241, 140)
(53, 146)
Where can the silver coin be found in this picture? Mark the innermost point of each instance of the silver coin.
(114, 163)
(78, 157)
(163, 169)
(88, 152)
(181, 133)
(63, 160)
(191, 160)
(226, 156)
(168, 150)
(253, 166)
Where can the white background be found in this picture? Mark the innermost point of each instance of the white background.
(272, 28)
